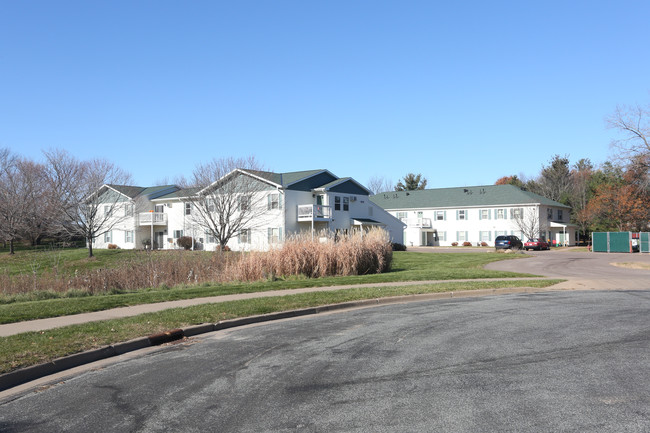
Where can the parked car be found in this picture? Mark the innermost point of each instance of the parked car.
(505, 242)
(537, 244)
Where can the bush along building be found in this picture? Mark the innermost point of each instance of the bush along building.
(477, 215)
(244, 210)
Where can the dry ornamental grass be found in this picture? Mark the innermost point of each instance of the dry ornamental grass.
(298, 256)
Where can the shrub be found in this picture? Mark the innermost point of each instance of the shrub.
(398, 247)
(185, 242)
(484, 244)
(467, 244)
(454, 244)
(225, 248)
(112, 247)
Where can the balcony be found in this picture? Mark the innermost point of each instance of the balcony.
(314, 212)
(423, 223)
(152, 218)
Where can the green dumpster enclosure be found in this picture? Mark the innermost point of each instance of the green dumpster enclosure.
(644, 242)
(619, 242)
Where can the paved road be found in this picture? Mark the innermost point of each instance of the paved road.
(556, 361)
(583, 270)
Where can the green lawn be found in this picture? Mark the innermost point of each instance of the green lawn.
(64, 260)
(407, 266)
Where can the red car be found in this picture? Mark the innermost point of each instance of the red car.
(536, 244)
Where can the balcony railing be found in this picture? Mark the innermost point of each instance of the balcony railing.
(315, 212)
(424, 223)
(158, 218)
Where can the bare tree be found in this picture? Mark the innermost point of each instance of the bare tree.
(378, 184)
(529, 222)
(38, 200)
(12, 206)
(86, 204)
(633, 122)
(230, 195)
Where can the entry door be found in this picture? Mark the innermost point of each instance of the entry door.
(160, 240)
(160, 208)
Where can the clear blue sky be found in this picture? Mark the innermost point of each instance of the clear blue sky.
(462, 92)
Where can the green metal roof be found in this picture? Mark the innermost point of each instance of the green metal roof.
(470, 196)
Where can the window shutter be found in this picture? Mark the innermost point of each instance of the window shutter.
(268, 202)
(444, 215)
(280, 234)
(456, 236)
(456, 214)
(505, 214)
(270, 234)
(279, 201)
(466, 236)
(480, 214)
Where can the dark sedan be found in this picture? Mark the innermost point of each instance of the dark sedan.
(508, 242)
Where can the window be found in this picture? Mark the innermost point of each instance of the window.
(128, 236)
(500, 233)
(274, 201)
(461, 236)
(337, 202)
(501, 214)
(442, 236)
(209, 203)
(517, 213)
(209, 238)
(178, 234)
(128, 210)
(485, 214)
(402, 216)
(461, 215)
(549, 213)
(440, 215)
(107, 209)
(485, 236)
(188, 208)
(346, 203)
(244, 202)
(275, 235)
(559, 215)
(245, 236)
(108, 237)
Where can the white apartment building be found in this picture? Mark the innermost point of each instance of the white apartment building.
(314, 201)
(442, 217)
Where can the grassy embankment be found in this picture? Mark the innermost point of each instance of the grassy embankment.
(406, 266)
(34, 347)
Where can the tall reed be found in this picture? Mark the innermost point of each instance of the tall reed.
(298, 256)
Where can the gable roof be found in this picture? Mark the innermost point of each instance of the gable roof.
(345, 185)
(132, 191)
(471, 196)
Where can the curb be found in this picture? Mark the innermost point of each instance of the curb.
(27, 374)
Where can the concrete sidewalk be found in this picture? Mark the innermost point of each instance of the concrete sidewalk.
(116, 313)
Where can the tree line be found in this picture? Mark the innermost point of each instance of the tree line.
(614, 196)
(53, 199)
